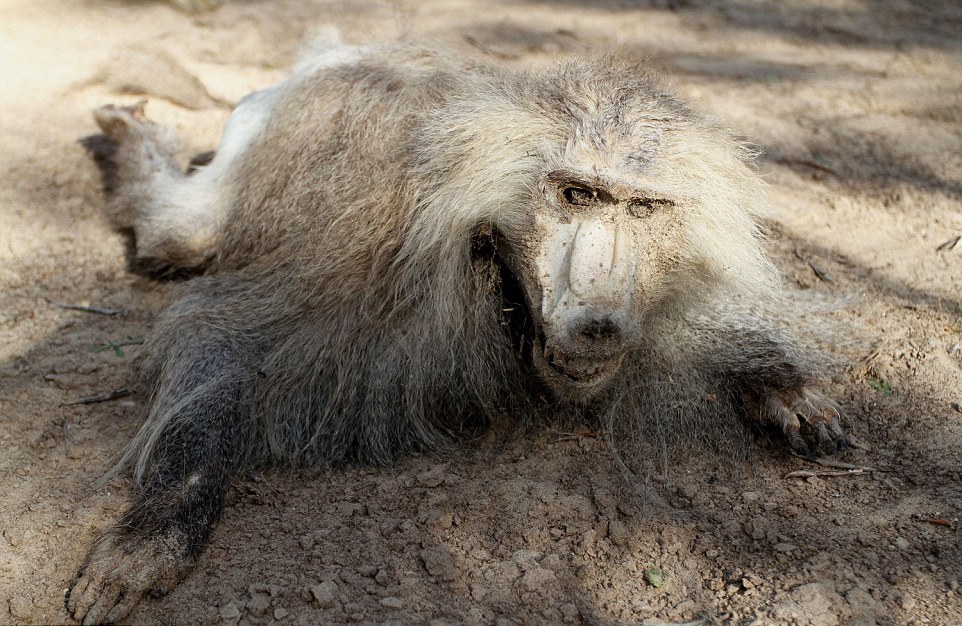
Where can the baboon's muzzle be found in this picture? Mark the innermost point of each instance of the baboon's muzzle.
(583, 303)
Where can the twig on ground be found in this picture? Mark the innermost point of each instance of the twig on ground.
(104, 397)
(836, 463)
(809, 163)
(489, 50)
(932, 520)
(951, 244)
(822, 274)
(826, 473)
(588, 434)
(99, 310)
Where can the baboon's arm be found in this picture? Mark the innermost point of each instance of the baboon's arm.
(158, 540)
(777, 383)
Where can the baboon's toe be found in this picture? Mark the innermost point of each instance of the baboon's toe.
(116, 122)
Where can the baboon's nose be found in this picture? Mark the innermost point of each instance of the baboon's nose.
(597, 328)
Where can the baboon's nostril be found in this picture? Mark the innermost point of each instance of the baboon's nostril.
(599, 328)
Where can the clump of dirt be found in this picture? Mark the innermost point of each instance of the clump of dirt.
(858, 107)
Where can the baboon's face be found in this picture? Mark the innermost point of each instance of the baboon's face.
(596, 262)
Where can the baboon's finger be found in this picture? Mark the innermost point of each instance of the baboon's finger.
(806, 410)
(830, 416)
(112, 593)
(791, 427)
(841, 441)
(825, 439)
(123, 607)
(77, 603)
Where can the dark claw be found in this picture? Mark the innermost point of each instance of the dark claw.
(825, 440)
(802, 449)
(841, 441)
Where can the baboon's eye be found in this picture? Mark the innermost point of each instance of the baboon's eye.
(643, 207)
(578, 196)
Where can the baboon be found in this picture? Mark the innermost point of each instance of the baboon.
(395, 245)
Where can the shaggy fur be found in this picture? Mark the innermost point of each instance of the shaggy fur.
(374, 234)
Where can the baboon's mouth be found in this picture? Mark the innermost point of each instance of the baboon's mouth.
(585, 371)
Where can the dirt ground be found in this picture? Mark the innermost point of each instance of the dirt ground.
(858, 104)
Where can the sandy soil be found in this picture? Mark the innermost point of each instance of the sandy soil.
(859, 106)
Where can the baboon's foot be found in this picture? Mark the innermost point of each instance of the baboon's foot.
(809, 420)
(116, 122)
(144, 147)
(118, 572)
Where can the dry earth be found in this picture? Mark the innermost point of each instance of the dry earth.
(859, 106)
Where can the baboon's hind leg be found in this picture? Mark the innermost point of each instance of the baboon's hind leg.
(175, 218)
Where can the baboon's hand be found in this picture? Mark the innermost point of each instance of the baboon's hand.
(809, 420)
(119, 570)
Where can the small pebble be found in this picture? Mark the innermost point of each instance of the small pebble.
(259, 605)
(570, 613)
(391, 602)
(230, 613)
(617, 532)
(325, 594)
(478, 592)
(439, 563)
(21, 607)
(536, 578)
